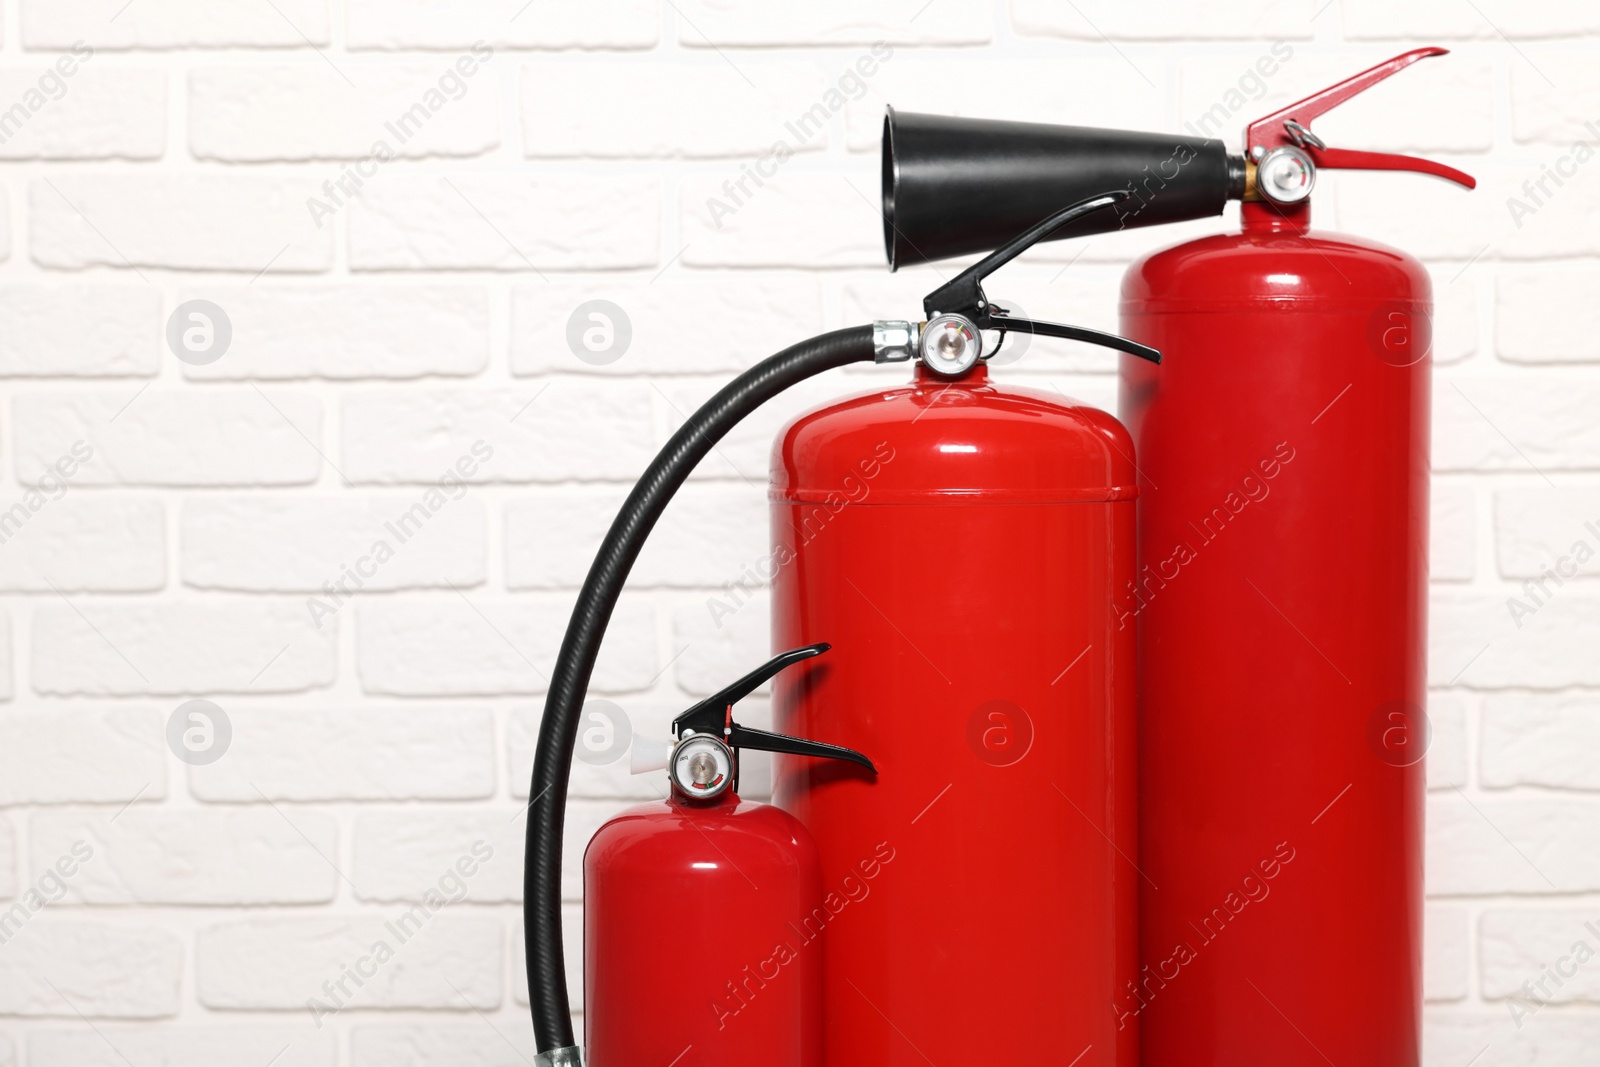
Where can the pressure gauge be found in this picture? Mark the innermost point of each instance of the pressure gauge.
(702, 767)
(1285, 175)
(951, 345)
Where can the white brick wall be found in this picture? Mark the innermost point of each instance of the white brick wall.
(748, 311)
(570, 110)
(119, 1046)
(57, 24)
(8, 862)
(44, 333)
(114, 756)
(1162, 20)
(289, 544)
(438, 960)
(171, 437)
(61, 967)
(425, 1046)
(396, 25)
(444, 753)
(470, 645)
(511, 222)
(349, 331)
(360, 529)
(247, 223)
(114, 544)
(1441, 20)
(104, 648)
(247, 856)
(101, 114)
(257, 113)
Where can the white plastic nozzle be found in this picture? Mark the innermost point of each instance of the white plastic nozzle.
(649, 754)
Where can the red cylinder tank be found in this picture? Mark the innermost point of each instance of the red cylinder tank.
(695, 950)
(1280, 605)
(959, 545)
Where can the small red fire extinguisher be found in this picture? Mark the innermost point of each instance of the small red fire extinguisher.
(701, 939)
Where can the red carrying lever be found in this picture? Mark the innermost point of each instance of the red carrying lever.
(1292, 126)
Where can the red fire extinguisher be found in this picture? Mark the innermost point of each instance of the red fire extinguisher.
(703, 913)
(1280, 594)
(957, 537)
(1280, 605)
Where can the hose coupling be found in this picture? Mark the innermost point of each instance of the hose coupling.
(893, 341)
(571, 1056)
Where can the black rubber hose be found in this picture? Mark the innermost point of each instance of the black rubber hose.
(547, 977)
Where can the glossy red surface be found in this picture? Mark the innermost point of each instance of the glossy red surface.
(700, 940)
(1283, 451)
(959, 545)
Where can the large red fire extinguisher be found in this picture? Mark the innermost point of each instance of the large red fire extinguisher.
(1280, 605)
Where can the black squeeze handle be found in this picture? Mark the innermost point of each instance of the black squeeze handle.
(963, 294)
(710, 716)
(954, 186)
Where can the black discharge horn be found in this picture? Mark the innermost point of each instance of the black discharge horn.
(955, 186)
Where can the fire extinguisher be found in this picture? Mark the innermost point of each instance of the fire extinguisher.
(958, 539)
(1281, 607)
(701, 922)
(970, 890)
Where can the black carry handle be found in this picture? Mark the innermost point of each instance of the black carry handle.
(711, 715)
(707, 716)
(963, 294)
